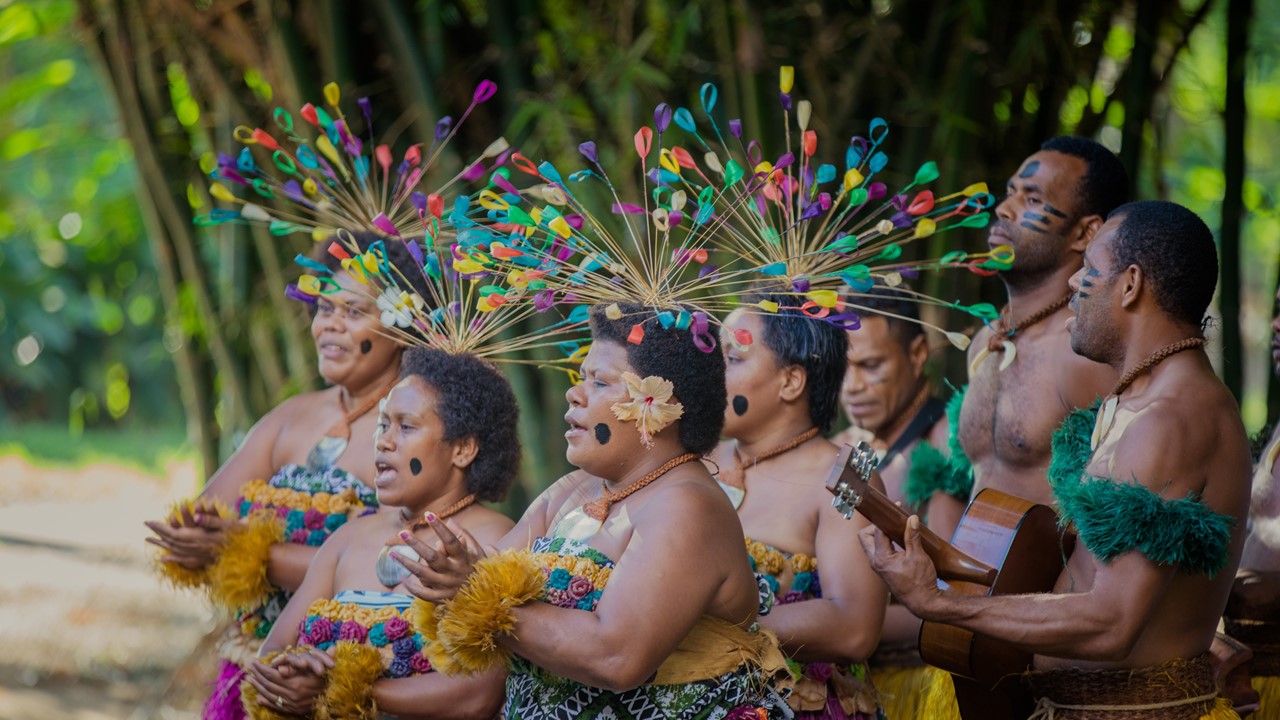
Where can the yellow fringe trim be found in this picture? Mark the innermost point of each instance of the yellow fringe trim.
(1222, 710)
(249, 699)
(349, 691)
(260, 491)
(176, 575)
(1268, 688)
(902, 690)
(238, 580)
(939, 700)
(462, 633)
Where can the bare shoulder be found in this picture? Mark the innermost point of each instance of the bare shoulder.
(374, 525)
(690, 507)
(565, 487)
(487, 525)
(1180, 443)
(303, 406)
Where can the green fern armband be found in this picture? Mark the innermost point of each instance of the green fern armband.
(931, 472)
(1111, 518)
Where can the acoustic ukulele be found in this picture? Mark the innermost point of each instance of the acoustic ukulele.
(1004, 545)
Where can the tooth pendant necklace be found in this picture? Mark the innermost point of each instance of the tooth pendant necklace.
(390, 572)
(1001, 340)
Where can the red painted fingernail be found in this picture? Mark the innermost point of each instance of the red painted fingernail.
(404, 535)
(431, 517)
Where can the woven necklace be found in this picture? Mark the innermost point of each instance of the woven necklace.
(1107, 413)
(736, 476)
(391, 573)
(325, 454)
(1004, 331)
(598, 509)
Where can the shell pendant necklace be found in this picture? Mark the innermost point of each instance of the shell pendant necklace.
(390, 572)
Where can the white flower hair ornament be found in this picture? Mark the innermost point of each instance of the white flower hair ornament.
(399, 307)
(650, 405)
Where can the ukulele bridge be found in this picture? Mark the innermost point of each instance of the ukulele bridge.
(862, 462)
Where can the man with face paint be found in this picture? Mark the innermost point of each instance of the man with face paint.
(1155, 480)
(1023, 377)
(783, 388)
(887, 398)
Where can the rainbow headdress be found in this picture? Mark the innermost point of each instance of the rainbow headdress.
(461, 295)
(703, 232)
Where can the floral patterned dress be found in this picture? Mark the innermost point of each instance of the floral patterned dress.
(823, 690)
(576, 575)
(377, 619)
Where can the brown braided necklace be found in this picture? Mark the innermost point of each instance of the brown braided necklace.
(598, 509)
(1154, 359)
(736, 476)
(1005, 331)
(412, 524)
(1107, 413)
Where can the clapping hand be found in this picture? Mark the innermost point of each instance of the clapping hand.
(192, 537)
(444, 565)
(290, 683)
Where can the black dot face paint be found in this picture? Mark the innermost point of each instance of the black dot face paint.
(1030, 169)
(366, 346)
(739, 405)
(415, 466)
(603, 433)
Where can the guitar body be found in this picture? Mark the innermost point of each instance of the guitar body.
(1021, 539)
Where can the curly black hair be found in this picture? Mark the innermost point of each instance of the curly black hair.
(1176, 252)
(821, 348)
(697, 376)
(1105, 185)
(397, 254)
(884, 299)
(474, 400)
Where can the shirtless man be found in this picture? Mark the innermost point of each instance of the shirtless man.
(1159, 501)
(1020, 391)
(887, 396)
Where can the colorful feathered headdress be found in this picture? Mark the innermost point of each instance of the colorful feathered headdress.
(705, 229)
(331, 180)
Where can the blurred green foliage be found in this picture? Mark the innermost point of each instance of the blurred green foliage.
(105, 281)
(79, 338)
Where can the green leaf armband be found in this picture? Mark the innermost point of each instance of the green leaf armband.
(931, 472)
(1113, 518)
(959, 461)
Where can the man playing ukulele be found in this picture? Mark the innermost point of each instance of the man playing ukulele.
(1155, 482)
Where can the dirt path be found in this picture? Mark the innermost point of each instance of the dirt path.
(86, 630)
